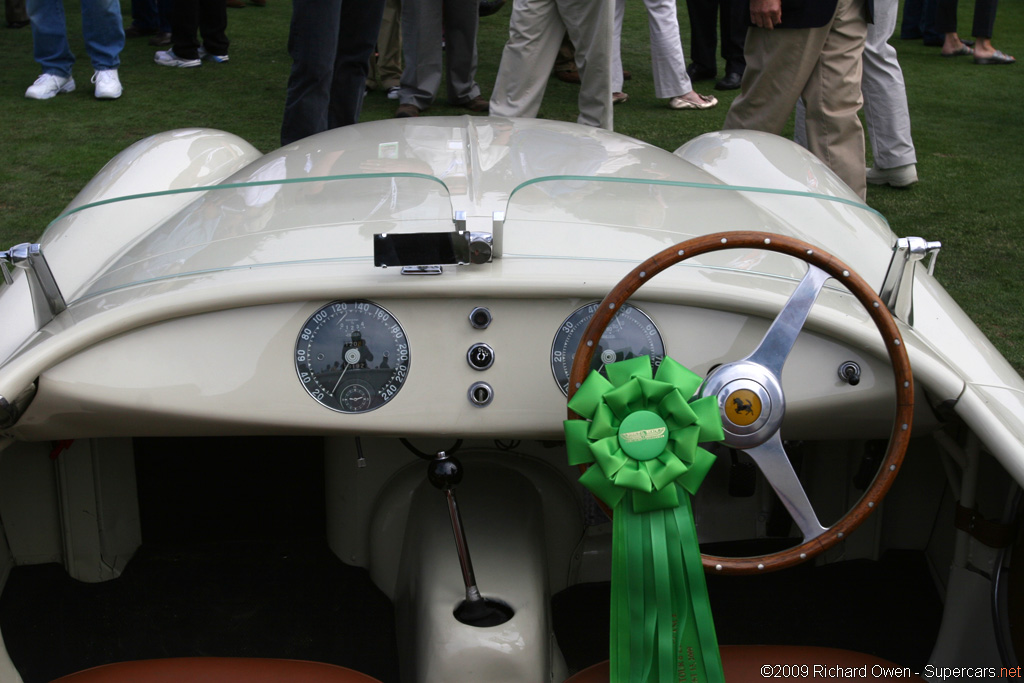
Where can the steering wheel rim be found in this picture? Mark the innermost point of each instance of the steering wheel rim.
(879, 313)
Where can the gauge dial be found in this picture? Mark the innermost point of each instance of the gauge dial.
(352, 356)
(630, 333)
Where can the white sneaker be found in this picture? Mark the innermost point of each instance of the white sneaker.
(168, 58)
(108, 85)
(900, 176)
(48, 85)
(207, 57)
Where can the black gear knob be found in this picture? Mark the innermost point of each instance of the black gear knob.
(444, 472)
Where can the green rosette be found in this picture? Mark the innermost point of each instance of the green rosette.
(640, 434)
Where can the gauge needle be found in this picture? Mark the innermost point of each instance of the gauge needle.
(340, 377)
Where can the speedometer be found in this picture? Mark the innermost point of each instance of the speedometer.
(630, 333)
(352, 356)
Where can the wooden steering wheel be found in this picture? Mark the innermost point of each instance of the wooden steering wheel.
(755, 384)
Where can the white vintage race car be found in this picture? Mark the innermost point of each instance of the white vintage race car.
(304, 415)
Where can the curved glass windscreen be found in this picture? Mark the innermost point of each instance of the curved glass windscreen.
(556, 217)
(198, 231)
(242, 225)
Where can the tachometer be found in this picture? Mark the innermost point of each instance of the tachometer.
(352, 356)
(631, 333)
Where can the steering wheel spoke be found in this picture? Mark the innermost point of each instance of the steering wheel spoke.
(777, 343)
(775, 465)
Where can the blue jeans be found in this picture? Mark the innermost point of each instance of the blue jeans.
(102, 29)
(330, 43)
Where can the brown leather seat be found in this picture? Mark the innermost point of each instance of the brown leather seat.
(217, 670)
(743, 663)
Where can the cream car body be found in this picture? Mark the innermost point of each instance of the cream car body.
(190, 265)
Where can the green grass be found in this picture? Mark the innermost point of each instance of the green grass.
(967, 126)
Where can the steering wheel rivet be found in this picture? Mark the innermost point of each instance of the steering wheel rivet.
(906, 384)
(681, 252)
(724, 240)
(839, 535)
(871, 503)
(803, 556)
(760, 566)
(892, 468)
(590, 342)
(611, 306)
(718, 567)
(896, 342)
(846, 273)
(904, 427)
(767, 240)
(875, 304)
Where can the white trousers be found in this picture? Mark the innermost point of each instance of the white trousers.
(668, 65)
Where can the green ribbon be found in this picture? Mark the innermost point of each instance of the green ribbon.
(640, 435)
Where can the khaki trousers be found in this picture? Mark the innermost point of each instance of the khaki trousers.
(821, 65)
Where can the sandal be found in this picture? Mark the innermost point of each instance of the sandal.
(706, 102)
(963, 51)
(999, 57)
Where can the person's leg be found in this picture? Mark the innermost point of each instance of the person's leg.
(767, 99)
(833, 98)
(886, 111)
(734, 18)
(422, 32)
(668, 64)
(313, 46)
(389, 46)
(50, 46)
(356, 37)
(535, 34)
(590, 24)
(616, 46)
(213, 25)
(945, 24)
(185, 29)
(145, 18)
(911, 29)
(461, 20)
(703, 36)
(984, 24)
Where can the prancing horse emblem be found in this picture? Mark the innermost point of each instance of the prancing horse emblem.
(742, 406)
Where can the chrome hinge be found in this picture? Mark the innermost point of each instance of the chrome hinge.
(907, 252)
(46, 297)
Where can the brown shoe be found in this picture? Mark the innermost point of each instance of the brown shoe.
(407, 111)
(572, 76)
(134, 31)
(478, 105)
(237, 4)
(160, 39)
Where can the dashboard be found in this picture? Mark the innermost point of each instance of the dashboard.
(490, 367)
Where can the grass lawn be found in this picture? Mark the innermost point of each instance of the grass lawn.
(967, 127)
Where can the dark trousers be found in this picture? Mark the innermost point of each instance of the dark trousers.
(152, 15)
(207, 17)
(984, 17)
(705, 16)
(330, 43)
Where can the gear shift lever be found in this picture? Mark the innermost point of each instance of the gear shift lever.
(445, 472)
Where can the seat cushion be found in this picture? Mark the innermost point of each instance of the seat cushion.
(217, 670)
(749, 663)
